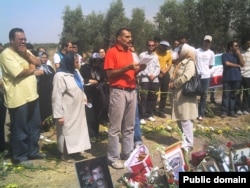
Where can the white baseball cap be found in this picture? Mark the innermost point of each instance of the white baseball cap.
(208, 37)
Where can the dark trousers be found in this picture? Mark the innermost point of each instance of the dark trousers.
(164, 82)
(246, 93)
(25, 131)
(229, 96)
(2, 122)
(148, 98)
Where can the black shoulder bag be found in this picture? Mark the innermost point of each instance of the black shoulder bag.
(193, 87)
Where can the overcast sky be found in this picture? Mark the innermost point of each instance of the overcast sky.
(42, 19)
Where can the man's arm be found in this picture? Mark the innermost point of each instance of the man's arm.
(116, 72)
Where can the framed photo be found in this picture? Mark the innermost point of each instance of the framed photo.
(242, 168)
(210, 166)
(94, 173)
(239, 156)
(173, 160)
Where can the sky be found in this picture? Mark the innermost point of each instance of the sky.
(42, 21)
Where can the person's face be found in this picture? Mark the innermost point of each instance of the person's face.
(19, 42)
(44, 59)
(76, 62)
(125, 39)
(182, 41)
(235, 47)
(102, 53)
(151, 46)
(206, 44)
(75, 48)
(176, 44)
(69, 48)
(98, 175)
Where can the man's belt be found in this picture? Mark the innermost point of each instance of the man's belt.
(124, 89)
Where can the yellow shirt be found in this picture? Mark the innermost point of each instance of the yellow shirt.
(18, 90)
(165, 59)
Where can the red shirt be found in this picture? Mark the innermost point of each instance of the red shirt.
(116, 57)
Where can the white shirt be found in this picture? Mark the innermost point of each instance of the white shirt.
(204, 59)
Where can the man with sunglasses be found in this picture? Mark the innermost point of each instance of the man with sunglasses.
(232, 62)
(21, 98)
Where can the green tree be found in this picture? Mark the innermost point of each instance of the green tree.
(114, 20)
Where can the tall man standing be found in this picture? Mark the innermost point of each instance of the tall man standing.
(204, 61)
(121, 72)
(21, 98)
(232, 62)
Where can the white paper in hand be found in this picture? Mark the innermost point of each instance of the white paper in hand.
(145, 60)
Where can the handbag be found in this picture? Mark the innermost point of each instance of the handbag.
(193, 87)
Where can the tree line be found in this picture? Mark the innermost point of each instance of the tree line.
(223, 19)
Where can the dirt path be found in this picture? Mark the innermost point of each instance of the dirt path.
(53, 173)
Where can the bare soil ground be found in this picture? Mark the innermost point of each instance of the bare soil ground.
(53, 173)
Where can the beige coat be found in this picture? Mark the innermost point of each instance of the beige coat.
(68, 101)
(183, 108)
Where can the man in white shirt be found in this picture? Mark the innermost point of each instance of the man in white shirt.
(205, 60)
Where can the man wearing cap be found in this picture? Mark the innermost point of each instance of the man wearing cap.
(205, 59)
(165, 58)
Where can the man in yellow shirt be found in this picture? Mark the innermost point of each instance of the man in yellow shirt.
(165, 58)
(21, 98)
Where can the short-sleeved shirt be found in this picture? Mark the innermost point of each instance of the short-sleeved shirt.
(204, 59)
(116, 57)
(230, 73)
(165, 59)
(57, 58)
(18, 90)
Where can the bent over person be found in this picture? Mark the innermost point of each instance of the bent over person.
(121, 70)
(21, 98)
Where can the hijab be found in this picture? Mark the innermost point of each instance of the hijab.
(187, 52)
(67, 65)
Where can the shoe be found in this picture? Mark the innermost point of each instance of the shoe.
(239, 112)
(200, 118)
(142, 122)
(161, 114)
(245, 112)
(151, 119)
(233, 115)
(117, 164)
(38, 156)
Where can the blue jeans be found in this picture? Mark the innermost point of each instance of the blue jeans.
(137, 130)
(229, 96)
(2, 123)
(203, 98)
(25, 131)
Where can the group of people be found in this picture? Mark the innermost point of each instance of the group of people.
(118, 85)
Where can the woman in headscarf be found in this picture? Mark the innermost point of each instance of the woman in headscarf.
(45, 74)
(184, 108)
(68, 102)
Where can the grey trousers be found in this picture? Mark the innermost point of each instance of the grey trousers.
(187, 129)
(122, 108)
